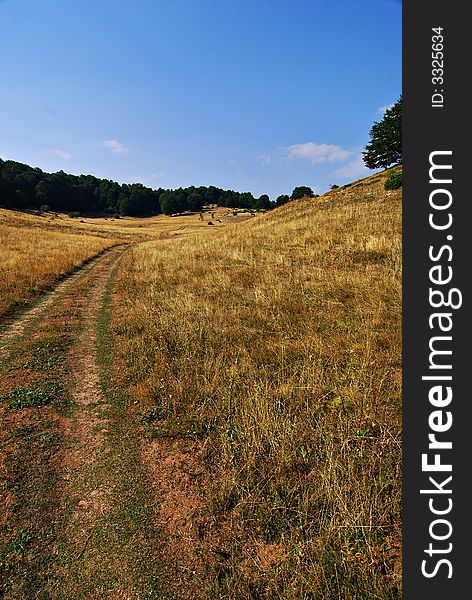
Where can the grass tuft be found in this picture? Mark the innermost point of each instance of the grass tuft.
(34, 395)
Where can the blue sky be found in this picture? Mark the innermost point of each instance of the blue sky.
(252, 95)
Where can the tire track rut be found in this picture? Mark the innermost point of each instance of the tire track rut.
(80, 520)
(14, 327)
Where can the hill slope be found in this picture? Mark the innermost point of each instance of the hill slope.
(265, 362)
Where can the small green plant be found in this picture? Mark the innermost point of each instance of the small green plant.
(48, 439)
(30, 396)
(394, 181)
(19, 544)
(47, 354)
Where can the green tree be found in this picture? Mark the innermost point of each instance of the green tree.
(195, 202)
(124, 204)
(19, 199)
(263, 202)
(385, 146)
(44, 192)
(282, 199)
(169, 203)
(181, 199)
(211, 195)
(302, 191)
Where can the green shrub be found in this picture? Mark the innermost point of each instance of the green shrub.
(33, 395)
(394, 181)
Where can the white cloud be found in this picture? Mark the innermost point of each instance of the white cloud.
(318, 153)
(354, 168)
(381, 110)
(115, 146)
(264, 159)
(147, 179)
(61, 154)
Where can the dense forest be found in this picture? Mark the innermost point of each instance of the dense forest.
(24, 187)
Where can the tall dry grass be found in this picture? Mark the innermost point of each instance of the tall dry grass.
(37, 249)
(277, 343)
(32, 258)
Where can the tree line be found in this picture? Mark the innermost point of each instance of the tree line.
(24, 187)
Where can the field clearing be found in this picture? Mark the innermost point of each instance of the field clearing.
(36, 250)
(33, 260)
(251, 374)
(133, 229)
(273, 349)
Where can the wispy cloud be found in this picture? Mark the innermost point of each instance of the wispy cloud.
(318, 153)
(354, 168)
(61, 154)
(115, 146)
(381, 110)
(264, 159)
(147, 179)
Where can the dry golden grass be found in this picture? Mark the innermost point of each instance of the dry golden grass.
(277, 343)
(31, 260)
(36, 250)
(134, 229)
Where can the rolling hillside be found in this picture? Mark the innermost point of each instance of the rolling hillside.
(204, 411)
(266, 364)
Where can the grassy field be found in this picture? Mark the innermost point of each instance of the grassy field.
(31, 259)
(273, 349)
(249, 373)
(37, 249)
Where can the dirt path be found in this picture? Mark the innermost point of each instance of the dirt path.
(14, 327)
(76, 522)
(92, 508)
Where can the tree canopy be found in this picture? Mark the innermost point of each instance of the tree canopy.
(385, 146)
(302, 191)
(24, 187)
(282, 199)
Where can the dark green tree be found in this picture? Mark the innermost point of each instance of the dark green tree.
(385, 146)
(263, 202)
(211, 195)
(124, 204)
(22, 186)
(44, 192)
(302, 191)
(19, 199)
(169, 203)
(282, 199)
(181, 198)
(195, 202)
